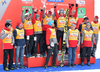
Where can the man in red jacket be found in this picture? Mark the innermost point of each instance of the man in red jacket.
(72, 42)
(87, 43)
(51, 42)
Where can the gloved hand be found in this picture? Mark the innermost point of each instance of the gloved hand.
(81, 45)
(72, 4)
(76, 5)
(94, 45)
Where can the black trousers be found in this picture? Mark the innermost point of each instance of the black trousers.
(29, 48)
(40, 41)
(5, 57)
(60, 35)
(86, 50)
(54, 50)
(44, 41)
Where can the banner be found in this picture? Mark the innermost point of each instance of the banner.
(55, 0)
(81, 12)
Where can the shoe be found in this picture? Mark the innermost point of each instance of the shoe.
(73, 65)
(69, 66)
(82, 64)
(54, 66)
(30, 55)
(16, 67)
(92, 55)
(11, 68)
(45, 66)
(41, 55)
(35, 54)
(27, 55)
(44, 54)
(22, 66)
(6, 69)
(88, 64)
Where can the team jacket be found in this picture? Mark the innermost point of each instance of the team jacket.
(51, 36)
(7, 38)
(46, 20)
(73, 38)
(87, 38)
(37, 24)
(19, 36)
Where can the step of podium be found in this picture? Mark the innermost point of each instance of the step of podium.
(40, 61)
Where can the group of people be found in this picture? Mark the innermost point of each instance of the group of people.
(36, 28)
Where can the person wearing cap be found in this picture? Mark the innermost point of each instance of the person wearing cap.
(19, 45)
(82, 27)
(51, 42)
(38, 37)
(96, 26)
(29, 33)
(72, 17)
(72, 42)
(87, 42)
(9, 21)
(8, 41)
(60, 24)
(46, 18)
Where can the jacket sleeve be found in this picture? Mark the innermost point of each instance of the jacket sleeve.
(76, 12)
(34, 19)
(70, 9)
(80, 26)
(43, 16)
(48, 33)
(32, 13)
(22, 17)
(82, 37)
(77, 24)
(14, 34)
(67, 42)
(3, 35)
(78, 38)
(53, 15)
(55, 10)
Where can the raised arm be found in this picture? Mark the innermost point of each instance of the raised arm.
(76, 11)
(22, 16)
(70, 9)
(55, 10)
(32, 12)
(43, 16)
(53, 15)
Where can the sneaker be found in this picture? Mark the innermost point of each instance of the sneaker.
(11, 68)
(82, 64)
(35, 54)
(22, 66)
(69, 66)
(6, 69)
(45, 66)
(54, 66)
(88, 64)
(27, 55)
(16, 67)
(73, 65)
(30, 55)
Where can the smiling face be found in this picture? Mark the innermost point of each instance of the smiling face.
(95, 19)
(88, 26)
(52, 24)
(72, 27)
(21, 25)
(72, 13)
(9, 27)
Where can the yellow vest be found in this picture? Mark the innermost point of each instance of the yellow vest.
(60, 22)
(47, 19)
(20, 34)
(37, 26)
(83, 27)
(73, 34)
(72, 20)
(95, 27)
(12, 29)
(28, 25)
(88, 35)
(8, 38)
(53, 33)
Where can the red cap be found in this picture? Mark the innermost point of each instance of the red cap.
(96, 17)
(18, 23)
(49, 12)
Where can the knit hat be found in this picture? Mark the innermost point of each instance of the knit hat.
(73, 25)
(88, 24)
(8, 20)
(62, 10)
(96, 17)
(84, 16)
(37, 16)
(50, 22)
(7, 25)
(18, 23)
